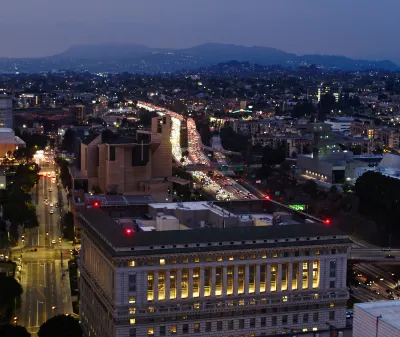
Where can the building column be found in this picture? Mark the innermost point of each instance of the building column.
(190, 283)
(257, 279)
(279, 278)
(213, 277)
(235, 280)
(224, 280)
(268, 285)
(167, 284)
(310, 274)
(300, 281)
(201, 282)
(290, 273)
(178, 284)
(246, 279)
(155, 286)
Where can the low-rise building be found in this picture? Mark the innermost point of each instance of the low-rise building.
(377, 319)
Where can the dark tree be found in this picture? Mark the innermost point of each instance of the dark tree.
(10, 297)
(60, 326)
(310, 187)
(303, 108)
(326, 104)
(11, 330)
(67, 223)
(68, 141)
(379, 197)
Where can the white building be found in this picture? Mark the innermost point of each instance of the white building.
(6, 112)
(340, 124)
(377, 319)
(205, 282)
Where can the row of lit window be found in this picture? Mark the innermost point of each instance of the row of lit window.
(218, 288)
(173, 329)
(220, 258)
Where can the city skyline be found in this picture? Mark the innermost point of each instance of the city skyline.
(301, 28)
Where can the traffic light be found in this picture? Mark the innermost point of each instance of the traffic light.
(266, 197)
(327, 221)
(128, 231)
(96, 204)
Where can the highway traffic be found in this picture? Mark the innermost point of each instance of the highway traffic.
(216, 184)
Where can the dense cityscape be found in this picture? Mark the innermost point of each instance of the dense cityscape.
(209, 189)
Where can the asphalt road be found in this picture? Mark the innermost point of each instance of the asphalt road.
(41, 274)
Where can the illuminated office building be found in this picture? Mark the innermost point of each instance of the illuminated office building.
(6, 112)
(248, 281)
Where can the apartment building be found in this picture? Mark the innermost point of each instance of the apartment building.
(169, 280)
(127, 165)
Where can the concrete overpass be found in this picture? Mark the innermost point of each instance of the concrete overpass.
(375, 255)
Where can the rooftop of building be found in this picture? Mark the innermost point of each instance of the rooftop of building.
(389, 310)
(118, 241)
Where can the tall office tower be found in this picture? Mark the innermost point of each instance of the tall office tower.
(6, 112)
(139, 281)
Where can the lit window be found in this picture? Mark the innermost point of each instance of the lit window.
(150, 332)
(264, 256)
(317, 252)
(132, 311)
(253, 256)
(131, 263)
(173, 261)
(275, 254)
(173, 329)
(231, 258)
(196, 306)
(196, 259)
(331, 305)
(185, 260)
(242, 257)
(132, 321)
(208, 259)
(150, 309)
(304, 330)
(162, 262)
(219, 258)
(315, 329)
(132, 299)
(284, 298)
(241, 302)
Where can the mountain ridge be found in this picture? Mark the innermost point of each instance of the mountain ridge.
(140, 58)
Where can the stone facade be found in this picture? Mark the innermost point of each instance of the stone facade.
(214, 292)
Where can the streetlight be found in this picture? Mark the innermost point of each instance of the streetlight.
(377, 324)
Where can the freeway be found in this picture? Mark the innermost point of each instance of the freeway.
(217, 185)
(43, 273)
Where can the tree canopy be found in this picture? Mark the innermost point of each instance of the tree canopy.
(60, 326)
(10, 294)
(380, 199)
(11, 330)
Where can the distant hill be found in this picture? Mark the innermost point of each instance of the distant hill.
(142, 59)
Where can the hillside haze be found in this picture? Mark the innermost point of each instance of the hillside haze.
(137, 58)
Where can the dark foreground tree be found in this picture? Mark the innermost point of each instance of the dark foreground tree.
(11, 330)
(60, 326)
(10, 297)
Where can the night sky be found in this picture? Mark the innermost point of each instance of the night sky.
(354, 28)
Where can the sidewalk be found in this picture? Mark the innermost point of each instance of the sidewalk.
(64, 286)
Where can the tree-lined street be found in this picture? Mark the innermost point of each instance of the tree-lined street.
(44, 274)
